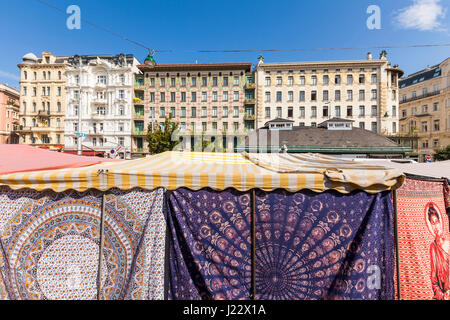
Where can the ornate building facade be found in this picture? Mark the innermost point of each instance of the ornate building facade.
(42, 100)
(9, 114)
(425, 108)
(210, 101)
(309, 93)
(99, 103)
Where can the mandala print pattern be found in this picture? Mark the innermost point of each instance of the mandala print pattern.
(308, 246)
(210, 245)
(323, 246)
(50, 244)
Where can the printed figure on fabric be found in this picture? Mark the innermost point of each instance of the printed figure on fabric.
(439, 253)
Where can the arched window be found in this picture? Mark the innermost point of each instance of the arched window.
(25, 75)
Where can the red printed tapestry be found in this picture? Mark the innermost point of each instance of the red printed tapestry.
(424, 241)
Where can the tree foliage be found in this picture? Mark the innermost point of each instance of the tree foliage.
(442, 154)
(161, 140)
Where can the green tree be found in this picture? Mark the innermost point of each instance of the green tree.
(163, 140)
(442, 154)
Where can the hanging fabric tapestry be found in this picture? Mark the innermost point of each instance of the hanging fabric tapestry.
(324, 246)
(210, 244)
(424, 241)
(50, 244)
(308, 245)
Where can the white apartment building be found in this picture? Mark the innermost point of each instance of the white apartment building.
(309, 93)
(100, 96)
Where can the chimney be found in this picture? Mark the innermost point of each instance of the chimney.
(369, 56)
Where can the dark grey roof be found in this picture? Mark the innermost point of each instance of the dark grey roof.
(321, 137)
(420, 76)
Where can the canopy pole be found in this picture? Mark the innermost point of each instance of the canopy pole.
(397, 254)
(102, 242)
(253, 245)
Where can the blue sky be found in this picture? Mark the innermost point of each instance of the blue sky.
(30, 26)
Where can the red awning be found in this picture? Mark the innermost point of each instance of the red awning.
(22, 158)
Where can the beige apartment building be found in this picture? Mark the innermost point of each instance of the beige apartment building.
(42, 100)
(213, 102)
(309, 93)
(425, 108)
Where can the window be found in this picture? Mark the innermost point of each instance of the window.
(325, 95)
(349, 111)
(436, 143)
(172, 82)
(236, 96)
(302, 80)
(337, 79)
(121, 94)
(325, 111)
(313, 95)
(267, 112)
(373, 78)
(337, 95)
(101, 79)
(267, 81)
(235, 112)
(325, 79)
(436, 125)
(279, 96)
(193, 96)
(204, 96)
(236, 80)
(279, 81)
(162, 112)
(183, 112)
(204, 112)
(362, 125)
(362, 95)
(313, 112)
(394, 111)
(349, 95)
(374, 111)
(225, 81)
(425, 144)
(193, 112)
(301, 96)
(204, 81)
(214, 96)
(172, 97)
(424, 126)
(374, 94)
(435, 106)
(362, 79)
(183, 96)
(193, 81)
(204, 126)
(290, 80)
(183, 82)
(425, 109)
(267, 96)
(214, 112)
(279, 112)
(313, 80)
(162, 97)
(302, 112)
(337, 111)
(362, 111)
(374, 126)
(120, 126)
(121, 141)
(290, 96)
(290, 112)
(225, 127)
(225, 112)
(236, 126)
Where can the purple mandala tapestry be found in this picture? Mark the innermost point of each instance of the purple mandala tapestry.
(308, 245)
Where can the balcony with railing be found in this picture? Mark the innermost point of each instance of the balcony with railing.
(422, 96)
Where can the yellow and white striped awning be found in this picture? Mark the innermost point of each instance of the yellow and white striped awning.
(218, 171)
